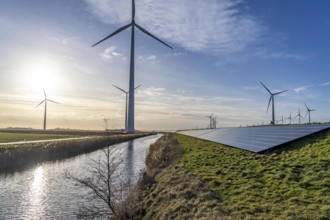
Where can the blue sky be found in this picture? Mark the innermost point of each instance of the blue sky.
(222, 49)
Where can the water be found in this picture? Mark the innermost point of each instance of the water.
(43, 192)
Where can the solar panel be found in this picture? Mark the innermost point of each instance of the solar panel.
(257, 139)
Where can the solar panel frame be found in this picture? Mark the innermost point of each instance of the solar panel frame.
(257, 139)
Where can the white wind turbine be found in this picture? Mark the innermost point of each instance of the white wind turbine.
(126, 93)
(271, 99)
(299, 115)
(290, 118)
(309, 113)
(130, 122)
(211, 121)
(45, 113)
(281, 120)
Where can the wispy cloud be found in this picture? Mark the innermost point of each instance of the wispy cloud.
(111, 53)
(265, 54)
(152, 58)
(325, 84)
(217, 26)
(300, 89)
(175, 54)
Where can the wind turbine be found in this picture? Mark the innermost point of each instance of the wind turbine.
(309, 113)
(45, 101)
(126, 93)
(210, 117)
(214, 120)
(282, 120)
(299, 115)
(271, 99)
(130, 122)
(290, 118)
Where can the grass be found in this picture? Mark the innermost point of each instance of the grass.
(291, 183)
(16, 137)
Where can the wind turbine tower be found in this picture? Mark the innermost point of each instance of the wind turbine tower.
(281, 120)
(290, 118)
(299, 116)
(215, 122)
(126, 93)
(309, 113)
(211, 121)
(130, 122)
(271, 99)
(45, 112)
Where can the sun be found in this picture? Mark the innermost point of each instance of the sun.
(43, 74)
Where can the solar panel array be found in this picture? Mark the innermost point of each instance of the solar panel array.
(257, 139)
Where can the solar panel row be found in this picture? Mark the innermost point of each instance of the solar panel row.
(257, 139)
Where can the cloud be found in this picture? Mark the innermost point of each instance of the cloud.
(265, 54)
(110, 53)
(175, 54)
(150, 92)
(151, 58)
(325, 84)
(217, 26)
(300, 89)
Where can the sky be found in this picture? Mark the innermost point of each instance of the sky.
(222, 49)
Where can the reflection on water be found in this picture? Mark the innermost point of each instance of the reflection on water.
(36, 192)
(42, 192)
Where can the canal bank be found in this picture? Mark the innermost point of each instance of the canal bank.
(167, 190)
(22, 156)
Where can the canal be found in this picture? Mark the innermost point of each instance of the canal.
(43, 191)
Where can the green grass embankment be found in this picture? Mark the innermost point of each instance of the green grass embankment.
(212, 181)
(293, 183)
(21, 156)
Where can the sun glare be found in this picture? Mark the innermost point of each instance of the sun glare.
(43, 74)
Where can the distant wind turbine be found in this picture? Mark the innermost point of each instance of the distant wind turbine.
(126, 93)
(130, 122)
(211, 121)
(45, 113)
(271, 99)
(290, 118)
(215, 122)
(309, 113)
(299, 116)
(281, 120)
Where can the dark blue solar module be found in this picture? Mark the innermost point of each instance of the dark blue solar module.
(257, 139)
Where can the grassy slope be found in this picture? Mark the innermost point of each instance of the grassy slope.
(14, 137)
(294, 183)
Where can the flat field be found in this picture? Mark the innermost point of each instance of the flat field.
(16, 137)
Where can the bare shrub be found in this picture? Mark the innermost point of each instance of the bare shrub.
(107, 188)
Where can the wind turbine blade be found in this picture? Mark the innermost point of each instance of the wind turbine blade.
(306, 114)
(137, 87)
(52, 101)
(270, 99)
(40, 103)
(280, 92)
(306, 106)
(266, 88)
(45, 94)
(120, 89)
(133, 9)
(114, 33)
(146, 32)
